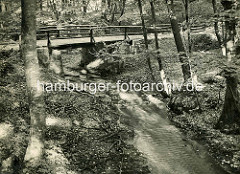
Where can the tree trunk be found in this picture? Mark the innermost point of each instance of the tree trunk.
(214, 4)
(122, 11)
(154, 23)
(186, 5)
(231, 109)
(103, 5)
(109, 4)
(145, 36)
(143, 24)
(3, 6)
(41, 5)
(104, 8)
(53, 7)
(113, 12)
(162, 73)
(179, 42)
(84, 7)
(35, 147)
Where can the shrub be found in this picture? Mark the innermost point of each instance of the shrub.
(204, 42)
(5, 65)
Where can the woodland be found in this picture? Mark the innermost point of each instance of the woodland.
(172, 131)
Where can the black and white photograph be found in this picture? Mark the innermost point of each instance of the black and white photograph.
(119, 86)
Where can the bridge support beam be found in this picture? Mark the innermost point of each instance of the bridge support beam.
(48, 39)
(125, 33)
(92, 40)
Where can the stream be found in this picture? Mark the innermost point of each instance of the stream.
(165, 147)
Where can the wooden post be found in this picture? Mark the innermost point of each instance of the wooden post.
(58, 34)
(91, 36)
(125, 33)
(19, 39)
(48, 39)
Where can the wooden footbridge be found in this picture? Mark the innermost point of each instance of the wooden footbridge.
(82, 35)
(87, 34)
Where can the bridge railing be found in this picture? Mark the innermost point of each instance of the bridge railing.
(95, 31)
(91, 31)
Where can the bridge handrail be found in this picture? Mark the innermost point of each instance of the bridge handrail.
(89, 30)
(88, 27)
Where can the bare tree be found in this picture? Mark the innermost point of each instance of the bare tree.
(122, 11)
(113, 12)
(179, 42)
(41, 4)
(144, 29)
(216, 15)
(186, 6)
(53, 7)
(85, 5)
(104, 9)
(35, 147)
(160, 64)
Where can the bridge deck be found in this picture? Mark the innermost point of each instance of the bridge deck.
(55, 43)
(87, 32)
(64, 42)
(86, 40)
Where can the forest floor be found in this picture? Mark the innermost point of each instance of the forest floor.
(83, 133)
(77, 142)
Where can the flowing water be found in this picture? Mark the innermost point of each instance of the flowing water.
(165, 147)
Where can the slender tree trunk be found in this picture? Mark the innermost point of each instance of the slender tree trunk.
(41, 5)
(179, 42)
(109, 4)
(145, 36)
(84, 7)
(143, 24)
(113, 12)
(63, 4)
(122, 11)
(35, 147)
(230, 30)
(3, 6)
(231, 109)
(216, 28)
(154, 23)
(104, 7)
(54, 9)
(162, 73)
(186, 5)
